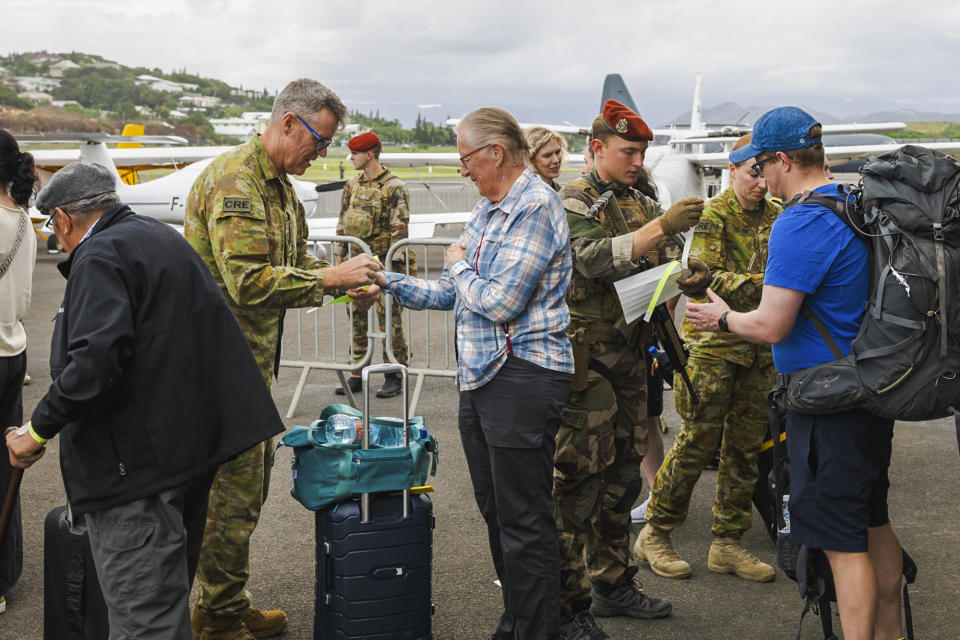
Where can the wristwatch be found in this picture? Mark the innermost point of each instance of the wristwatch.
(722, 322)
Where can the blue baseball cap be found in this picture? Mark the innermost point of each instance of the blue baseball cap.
(780, 129)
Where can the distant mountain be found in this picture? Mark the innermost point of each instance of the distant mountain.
(732, 113)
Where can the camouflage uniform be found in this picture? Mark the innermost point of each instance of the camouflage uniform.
(731, 377)
(246, 222)
(603, 432)
(377, 211)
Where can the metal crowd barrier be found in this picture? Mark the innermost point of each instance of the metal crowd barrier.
(435, 328)
(307, 359)
(430, 363)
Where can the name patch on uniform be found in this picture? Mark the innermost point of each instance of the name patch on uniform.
(702, 227)
(234, 204)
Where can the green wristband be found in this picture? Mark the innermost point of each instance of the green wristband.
(36, 436)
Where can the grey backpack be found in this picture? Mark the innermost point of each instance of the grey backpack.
(905, 360)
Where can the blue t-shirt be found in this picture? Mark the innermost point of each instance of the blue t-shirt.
(814, 251)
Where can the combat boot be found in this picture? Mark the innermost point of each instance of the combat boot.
(581, 626)
(355, 384)
(260, 624)
(225, 628)
(392, 386)
(654, 547)
(727, 555)
(626, 598)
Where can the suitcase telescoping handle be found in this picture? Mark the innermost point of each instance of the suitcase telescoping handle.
(365, 442)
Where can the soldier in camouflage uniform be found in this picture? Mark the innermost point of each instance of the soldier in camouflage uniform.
(614, 231)
(732, 378)
(244, 219)
(376, 209)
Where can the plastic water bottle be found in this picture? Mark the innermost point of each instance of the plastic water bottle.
(385, 435)
(786, 516)
(343, 429)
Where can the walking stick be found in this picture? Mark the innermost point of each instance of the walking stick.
(12, 491)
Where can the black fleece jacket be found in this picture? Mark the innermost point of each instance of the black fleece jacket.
(153, 381)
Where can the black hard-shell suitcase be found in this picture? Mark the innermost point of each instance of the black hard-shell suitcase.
(374, 560)
(73, 606)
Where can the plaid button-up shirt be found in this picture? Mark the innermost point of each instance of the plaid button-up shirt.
(508, 294)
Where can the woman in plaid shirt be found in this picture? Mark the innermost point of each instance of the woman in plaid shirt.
(505, 281)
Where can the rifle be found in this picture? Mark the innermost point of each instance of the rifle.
(672, 344)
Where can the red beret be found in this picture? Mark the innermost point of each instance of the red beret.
(363, 142)
(621, 120)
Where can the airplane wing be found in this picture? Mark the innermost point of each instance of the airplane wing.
(835, 154)
(143, 158)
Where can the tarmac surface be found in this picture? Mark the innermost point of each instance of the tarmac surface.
(925, 476)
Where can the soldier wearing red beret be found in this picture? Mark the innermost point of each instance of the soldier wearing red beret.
(376, 209)
(614, 231)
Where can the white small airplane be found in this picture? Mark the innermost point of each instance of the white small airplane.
(165, 198)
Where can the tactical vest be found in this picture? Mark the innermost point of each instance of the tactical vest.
(368, 215)
(594, 306)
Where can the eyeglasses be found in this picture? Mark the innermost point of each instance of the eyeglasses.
(757, 167)
(322, 143)
(465, 160)
(49, 223)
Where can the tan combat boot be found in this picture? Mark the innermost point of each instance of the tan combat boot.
(224, 628)
(260, 624)
(654, 546)
(727, 555)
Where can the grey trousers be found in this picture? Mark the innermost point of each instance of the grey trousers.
(146, 555)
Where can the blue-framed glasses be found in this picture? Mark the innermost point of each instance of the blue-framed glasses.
(322, 143)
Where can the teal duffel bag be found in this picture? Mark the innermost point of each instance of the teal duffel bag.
(325, 473)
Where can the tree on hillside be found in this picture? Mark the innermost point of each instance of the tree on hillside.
(9, 98)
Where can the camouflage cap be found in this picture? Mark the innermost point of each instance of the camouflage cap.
(76, 181)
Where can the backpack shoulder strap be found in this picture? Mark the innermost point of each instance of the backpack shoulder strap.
(808, 313)
(839, 208)
(842, 208)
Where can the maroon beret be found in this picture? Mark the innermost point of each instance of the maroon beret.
(363, 142)
(621, 120)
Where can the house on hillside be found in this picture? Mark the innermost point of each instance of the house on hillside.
(36, 97)
(159, 84)
(56, 70)
(64, 103)
(33, 83)
(243, 127)
(195, 101)
(41, 57)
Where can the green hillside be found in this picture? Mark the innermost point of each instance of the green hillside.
(929, 130)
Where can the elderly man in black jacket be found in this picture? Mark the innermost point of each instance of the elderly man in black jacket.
(153, 387)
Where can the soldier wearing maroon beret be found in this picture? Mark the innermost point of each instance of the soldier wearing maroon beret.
(614, 231)
(376, 209)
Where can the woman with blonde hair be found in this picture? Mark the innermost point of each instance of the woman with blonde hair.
(546, 154)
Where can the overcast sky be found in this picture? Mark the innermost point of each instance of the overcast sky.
(544, 61)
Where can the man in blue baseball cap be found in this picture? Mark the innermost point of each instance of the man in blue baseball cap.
(839, 461)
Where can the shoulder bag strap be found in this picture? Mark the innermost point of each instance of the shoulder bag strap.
(21, 231)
